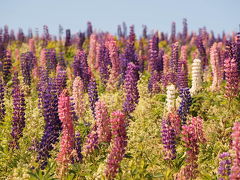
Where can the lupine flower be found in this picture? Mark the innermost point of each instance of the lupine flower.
(185, 32)
(7, 65)
(51, 59)
(78, 143)
(19, 106)
(68, 38)
(103, 60)
(81, 40)
(61, 79)
(192, 136)
(115, 70)
(67, 139)
(185, 104)
(91, 142)
(168, 139)
(214, 61)
(196, 76)
(130, 88)
(174, 58)
(175, 122)
(153, 53)
(171, 98)
(80, 67)
(141, 56)
(92, 51)
(118, 144)
(26, 66)
(92, 94)
(154, 82)
(78, 97)
(232, 77)
(235, 170)
(182, 75)
(173, 32)
(31, 45)
(52, 123)
(61, 60)
(202, 51)
(103, 122)
(89, 29)
(2, 105)
(43, 59)
(224, 166)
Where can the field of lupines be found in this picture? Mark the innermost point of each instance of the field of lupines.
(99, 106)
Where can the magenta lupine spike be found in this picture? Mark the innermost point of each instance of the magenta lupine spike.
(235, 170)
(2, 105)
(192, 137)
(118, 144)
(31, 44)
(19, 106)
(115, 70)
(232, 77)
(131, 89)
(68, 135)
(103, 122)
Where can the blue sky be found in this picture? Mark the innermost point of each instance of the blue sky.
(105, 15)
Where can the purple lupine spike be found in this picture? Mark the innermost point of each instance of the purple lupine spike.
(131, 89)
(61, 59)
(53, 124)
(91, 141)
(185, 31)
(27, 66)
(81, 40)
(185, 104)
(51, 59)
(153, 53)
(2, 105)
(202, 51)
(21, 36)
(78, 147)
(174, 58)
(68, 38)
(237, 41)
(12, 36)
(141, 56)
(89, 29)
(19, 106)
(153, 83)
(80, 67)
(118, 146)
(7, 65)
(46, 36)
(92, 94)
(168, 139)
(61, 79)
(173, 32)
(224, 166)
(104, 62)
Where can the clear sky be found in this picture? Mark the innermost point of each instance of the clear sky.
(217, 15)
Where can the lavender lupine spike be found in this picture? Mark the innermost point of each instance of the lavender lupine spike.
(173, 34)
(235, 170)
(7, 65)
(185, 32)
(52, 123)
(92, 94)
(61, 60)
(78, 147)
(131, 89)
(81, 40)
(19, 107)
(68, 38)
(224, 168)
(168, 139)
(118, 144)
(51, 59)
(2, 105)
(89, 29)
(27, 66)
(185, 104)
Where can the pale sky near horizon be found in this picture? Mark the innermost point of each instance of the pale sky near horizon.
(216, 15)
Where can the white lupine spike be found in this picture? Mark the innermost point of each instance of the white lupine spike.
(171, 97)
(196, 76)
